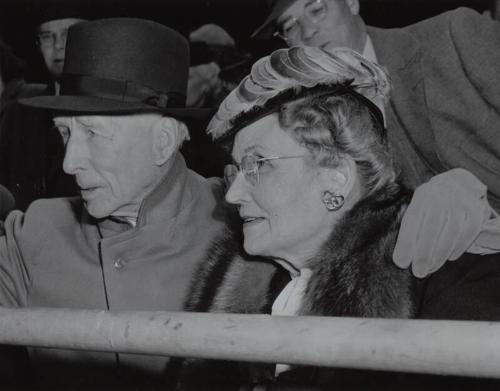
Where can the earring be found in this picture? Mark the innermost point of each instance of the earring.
(332, 201)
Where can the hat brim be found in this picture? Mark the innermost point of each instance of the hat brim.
(266, 30)
(98, 105)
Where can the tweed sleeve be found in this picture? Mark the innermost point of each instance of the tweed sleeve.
(477, 41)
(463, 96)
(14, 277)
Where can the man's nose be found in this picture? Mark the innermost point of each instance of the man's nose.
(308, 30)
(73, 157)
(60, 41)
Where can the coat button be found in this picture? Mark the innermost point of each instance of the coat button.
(119, 264)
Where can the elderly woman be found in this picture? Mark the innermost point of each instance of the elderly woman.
(319, 195)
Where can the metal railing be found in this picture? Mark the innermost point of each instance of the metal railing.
(466, 348)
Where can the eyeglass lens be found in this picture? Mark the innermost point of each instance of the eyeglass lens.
(49, 38)
(249, 166)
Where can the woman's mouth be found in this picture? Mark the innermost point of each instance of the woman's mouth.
(247, 221)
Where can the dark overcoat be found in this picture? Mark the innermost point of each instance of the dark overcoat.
(57, 255)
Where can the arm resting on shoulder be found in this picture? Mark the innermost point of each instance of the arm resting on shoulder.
(447, 216)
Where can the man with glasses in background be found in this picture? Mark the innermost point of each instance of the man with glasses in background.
(444, 110)
(31, 151)
(51, 40)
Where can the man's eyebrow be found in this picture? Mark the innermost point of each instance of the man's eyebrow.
(88, 121)
(252, 148)
(284, 19)
(61, 121)
(85, 122)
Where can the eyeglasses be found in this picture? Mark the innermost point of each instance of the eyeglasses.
(314, 12)
(249, 166)
(49, 38)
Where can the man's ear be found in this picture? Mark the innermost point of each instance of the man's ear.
(353, 6)
(168, 135)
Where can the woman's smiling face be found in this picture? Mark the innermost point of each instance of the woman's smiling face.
(283, 216)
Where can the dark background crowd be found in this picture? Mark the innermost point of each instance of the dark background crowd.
(239, 18)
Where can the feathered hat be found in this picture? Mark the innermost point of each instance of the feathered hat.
(287, 74)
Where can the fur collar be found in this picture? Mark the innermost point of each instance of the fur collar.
(352, 275)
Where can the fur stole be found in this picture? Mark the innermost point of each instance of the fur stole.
(352, 275)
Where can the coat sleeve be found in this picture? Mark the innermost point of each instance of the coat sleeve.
(462, 56)
(14, 277)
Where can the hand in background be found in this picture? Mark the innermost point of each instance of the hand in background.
(211, 34)
(202, 80)
(448, 215)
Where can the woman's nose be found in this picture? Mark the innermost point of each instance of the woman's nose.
(238, 191)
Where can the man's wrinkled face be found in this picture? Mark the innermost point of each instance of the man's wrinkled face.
(111, 157)
(52, 42)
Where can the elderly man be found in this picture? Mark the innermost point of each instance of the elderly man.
(143, 222)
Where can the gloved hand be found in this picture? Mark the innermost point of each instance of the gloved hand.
(447, 216)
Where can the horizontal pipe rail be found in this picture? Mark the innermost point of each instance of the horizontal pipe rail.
(465, 348)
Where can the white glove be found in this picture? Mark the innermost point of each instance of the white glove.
(447, 216)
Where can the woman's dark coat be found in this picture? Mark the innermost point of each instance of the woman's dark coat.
(352, 275)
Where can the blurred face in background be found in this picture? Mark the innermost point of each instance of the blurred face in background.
(52, 42)
(322, 23)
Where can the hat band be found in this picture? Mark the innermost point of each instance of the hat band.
(121, 90)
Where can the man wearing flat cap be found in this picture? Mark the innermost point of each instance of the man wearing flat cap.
(144, 220)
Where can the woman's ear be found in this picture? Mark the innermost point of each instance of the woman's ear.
(168, 135)
(342, 179)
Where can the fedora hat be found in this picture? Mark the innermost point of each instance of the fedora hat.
(49, 10)
(266, 29)
(123, 66)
